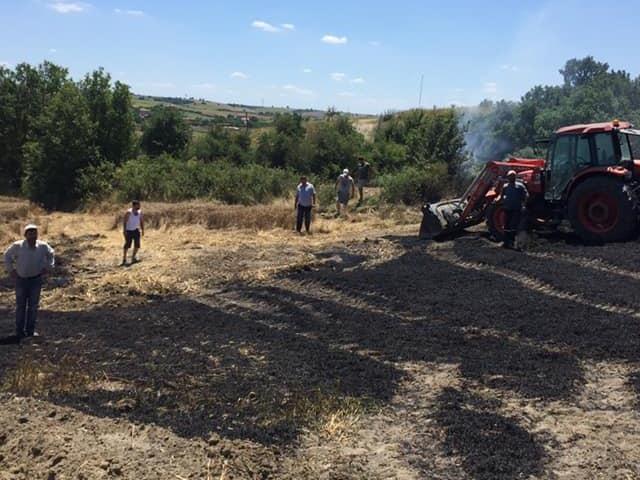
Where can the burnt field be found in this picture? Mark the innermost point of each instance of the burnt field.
(358, 352)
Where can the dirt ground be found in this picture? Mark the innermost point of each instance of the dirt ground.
(356, 353)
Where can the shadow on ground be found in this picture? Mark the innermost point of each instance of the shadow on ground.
(244, 361)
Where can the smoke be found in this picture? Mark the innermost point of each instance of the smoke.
(483, 141)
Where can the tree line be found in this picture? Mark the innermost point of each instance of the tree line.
(63, 142)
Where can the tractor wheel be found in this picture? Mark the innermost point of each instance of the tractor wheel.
(496, 219)
(600, 211)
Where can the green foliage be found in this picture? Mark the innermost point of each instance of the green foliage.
(220, 144)
(426, 136)
(165, 132)
(165, 178)
(413, 185)
(95, 182)
(591, 92)
(61, 147)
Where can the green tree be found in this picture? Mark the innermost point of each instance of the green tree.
(60, 148)
(165, 132)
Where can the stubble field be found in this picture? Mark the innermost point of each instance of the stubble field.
(234, 350)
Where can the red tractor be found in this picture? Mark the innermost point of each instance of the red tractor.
(591, 177)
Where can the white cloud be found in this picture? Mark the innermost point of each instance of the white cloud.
(510, 68)
(307, 70)
(375, 43)
(133, 13)
(333, 40)
(64, 7)
(239, 75)
(297, 90)
(337, 76)
(205, 86)
(357, 80)
(346, 94)
(264, 26)
(288, 26)
(5, 64)
(490, 88)
(52, 50)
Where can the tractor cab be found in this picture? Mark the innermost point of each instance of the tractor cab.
(581, 150)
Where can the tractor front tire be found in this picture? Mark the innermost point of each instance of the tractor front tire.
(495, 217)
(600, 211)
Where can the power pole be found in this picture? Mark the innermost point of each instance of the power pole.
(420, 97)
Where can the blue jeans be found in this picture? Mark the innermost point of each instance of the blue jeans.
(27, 299)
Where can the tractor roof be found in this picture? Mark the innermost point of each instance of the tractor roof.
(593, 127)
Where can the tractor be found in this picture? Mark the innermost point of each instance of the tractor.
(590, 177)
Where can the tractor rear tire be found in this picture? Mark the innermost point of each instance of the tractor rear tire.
(600, 211)
(495, 217)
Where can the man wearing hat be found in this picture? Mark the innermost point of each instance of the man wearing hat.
(28, 261)
(346, 189)
(514, 197)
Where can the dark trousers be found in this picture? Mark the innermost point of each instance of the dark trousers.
(304, 213)
(27, 300)
(511, 226)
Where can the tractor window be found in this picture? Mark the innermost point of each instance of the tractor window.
(605, 153)
(583, 152)
(634, 141)
(625, 151)
(562, 166)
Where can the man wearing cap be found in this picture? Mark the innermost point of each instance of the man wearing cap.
(28, 261)
(346, 189)
(514, 198)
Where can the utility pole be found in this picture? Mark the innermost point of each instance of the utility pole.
(420, 97)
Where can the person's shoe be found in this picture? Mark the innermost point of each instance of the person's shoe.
(124, 263)
(134, 260)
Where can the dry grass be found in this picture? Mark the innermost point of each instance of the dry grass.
(214, 215)
(41, 377)
(15, 214)
(332, 416)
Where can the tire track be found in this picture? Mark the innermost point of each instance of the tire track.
(537, 285)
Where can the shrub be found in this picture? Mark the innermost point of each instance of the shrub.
(164, 178)
(413, 185)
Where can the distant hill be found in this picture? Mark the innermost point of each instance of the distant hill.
(202, 114)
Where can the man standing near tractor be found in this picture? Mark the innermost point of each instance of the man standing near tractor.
(514, 198)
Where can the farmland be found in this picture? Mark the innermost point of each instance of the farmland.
(237, 349)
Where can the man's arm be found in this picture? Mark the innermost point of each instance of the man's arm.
(353, 188)
(314, 199)
(124, 222)
(9, 259)
(295, 202)
(142, 224)
(50, 260)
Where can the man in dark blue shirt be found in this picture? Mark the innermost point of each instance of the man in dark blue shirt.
(514, 197)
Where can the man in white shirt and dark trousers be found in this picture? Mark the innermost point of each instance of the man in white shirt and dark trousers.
(132, 229)
(28, 261)
(305, 201)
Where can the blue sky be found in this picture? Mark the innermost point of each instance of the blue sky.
(360, 56)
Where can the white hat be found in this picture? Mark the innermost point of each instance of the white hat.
(345, 171)
(30, 226)
(511, 172)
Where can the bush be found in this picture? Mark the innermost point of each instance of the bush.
(413, 185)
(165, 178)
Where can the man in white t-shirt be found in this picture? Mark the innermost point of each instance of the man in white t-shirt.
(305, 200)
(132, 229)
(345, 190)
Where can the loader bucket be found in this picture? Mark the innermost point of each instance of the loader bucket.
(440, 218)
